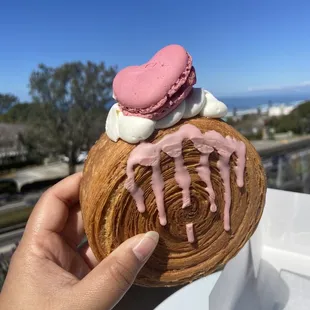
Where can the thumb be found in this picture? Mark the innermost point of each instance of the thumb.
(107, 283)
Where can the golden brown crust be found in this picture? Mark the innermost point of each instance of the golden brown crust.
(110, 215)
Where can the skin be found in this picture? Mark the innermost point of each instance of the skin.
(48, 271)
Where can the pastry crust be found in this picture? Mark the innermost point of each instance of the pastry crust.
(110, 214)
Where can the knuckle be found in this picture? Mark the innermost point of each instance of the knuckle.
(121, 274)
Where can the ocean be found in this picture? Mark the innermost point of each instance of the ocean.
(250, 102)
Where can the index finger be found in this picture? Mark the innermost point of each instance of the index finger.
(52, 210)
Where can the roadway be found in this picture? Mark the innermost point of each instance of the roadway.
(270, 144)
(8, 237)
(60, 170)
(47, 172)
(8, 240)
(26, 200)
(267, 148)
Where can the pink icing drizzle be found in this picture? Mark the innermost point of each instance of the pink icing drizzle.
(190, 232)
(183, 179)
(205, 175)
(158, 189)
(148, 154)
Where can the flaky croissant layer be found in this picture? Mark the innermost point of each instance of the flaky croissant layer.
(197, 234)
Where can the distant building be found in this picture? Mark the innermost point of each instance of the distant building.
(12, 148)
(269, 110)
(280, 110)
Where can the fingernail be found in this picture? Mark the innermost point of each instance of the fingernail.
(146, 246)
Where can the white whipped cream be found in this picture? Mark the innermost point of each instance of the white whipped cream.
(172, 118)
(131, 129)
(213, 107)
(111, 125)
(194, 103)
(134, 129)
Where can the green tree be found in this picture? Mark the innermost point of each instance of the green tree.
(20, 113)
(297, 121)
(6, 102)
(71, 110)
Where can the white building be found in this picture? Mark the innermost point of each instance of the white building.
(280, 110)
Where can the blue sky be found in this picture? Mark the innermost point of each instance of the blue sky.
(237, 46)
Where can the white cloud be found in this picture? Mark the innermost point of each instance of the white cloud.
(280, 87)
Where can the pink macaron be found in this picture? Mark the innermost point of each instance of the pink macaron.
(154, 89)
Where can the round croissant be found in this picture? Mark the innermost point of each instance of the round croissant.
(111, 216)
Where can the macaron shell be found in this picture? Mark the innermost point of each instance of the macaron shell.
(143, 86)
(171, 103)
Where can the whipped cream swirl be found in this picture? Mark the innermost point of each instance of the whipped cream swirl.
(133, 129)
